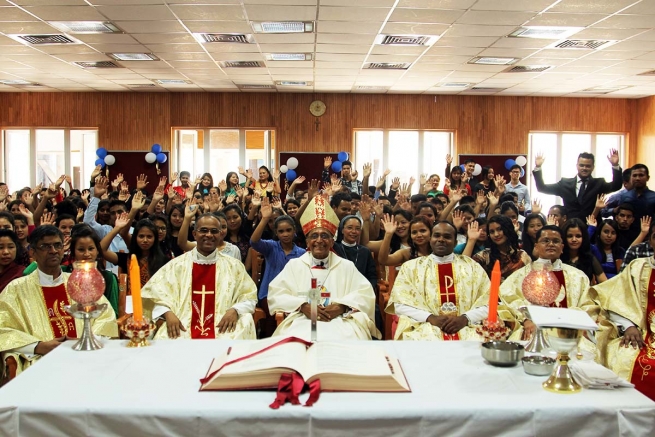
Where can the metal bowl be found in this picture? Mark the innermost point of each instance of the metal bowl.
(502, 353)
(538, 365)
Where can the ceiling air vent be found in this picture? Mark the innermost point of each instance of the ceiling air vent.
(528, 68)
(45, 39)
(241, 64)
(405, 40)
(238, 38)
(486, 89)
(99, 64)
(256, 87)
(388, 65)
(589, 44)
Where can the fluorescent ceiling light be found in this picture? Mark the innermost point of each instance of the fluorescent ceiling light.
(604, 89)
(288, 56)
(14, 82)
(173, 81)
(85, 26)
(545, 32)
(292, 83)
(454, 85)
(133, 56)
(283, 26)
(489, 60)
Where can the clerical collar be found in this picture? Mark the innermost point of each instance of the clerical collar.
(202, 259)
(557, 265)
(48, 280)
(348, 244)
(443, 259)
(320, 262)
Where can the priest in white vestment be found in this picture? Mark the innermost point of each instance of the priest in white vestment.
(203, 294)
(347, 300)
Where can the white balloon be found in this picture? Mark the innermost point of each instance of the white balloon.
(292, 163)
(110, 160)
(521, 160)
(284, 168)
(151, 157)
(477, 170)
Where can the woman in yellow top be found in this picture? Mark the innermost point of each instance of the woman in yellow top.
(266, 183)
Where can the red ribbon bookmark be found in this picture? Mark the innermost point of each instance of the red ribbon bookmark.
(289, 388)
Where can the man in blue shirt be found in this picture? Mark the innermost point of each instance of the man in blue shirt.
(640, 196)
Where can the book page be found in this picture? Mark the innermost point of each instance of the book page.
(347, 359)
(561, 318)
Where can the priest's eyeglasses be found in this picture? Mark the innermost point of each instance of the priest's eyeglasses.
(205, 231)
(46, 247)
(322, 236)
(548, 241)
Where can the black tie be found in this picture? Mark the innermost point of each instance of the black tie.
(583, 188)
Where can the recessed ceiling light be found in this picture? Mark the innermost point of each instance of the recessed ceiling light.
(173, 81)
(454, 85)
(256, 87)
(14, 82)
(544, 32)
(288, 56)
(85, 26)
(283, 26)
(489, 60)
(292, 83)
(371, 87)
(603, 89)
(133, 56)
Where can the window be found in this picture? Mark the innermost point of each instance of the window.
(219, 151)
(406, 153)
(561, 150)
(33, 156)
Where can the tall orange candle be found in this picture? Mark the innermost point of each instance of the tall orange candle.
(493, 293)
(135, 289)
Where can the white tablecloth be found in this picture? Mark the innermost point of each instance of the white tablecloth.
(153, 391)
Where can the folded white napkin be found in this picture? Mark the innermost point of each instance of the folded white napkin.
(592, 375)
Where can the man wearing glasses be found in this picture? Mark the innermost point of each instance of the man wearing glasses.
(516, 186)
(346, 303)
(203, 293)
(33, 321)
(574, 288)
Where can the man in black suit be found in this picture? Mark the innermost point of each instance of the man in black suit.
(579, 193)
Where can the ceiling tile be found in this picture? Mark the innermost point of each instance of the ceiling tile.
(208, 12)
(238, 56)
(400, 50)
(286, 13)
(527, 43)
(282, 48)
(477, 30)
(12, 13)
(591, 6)
(136, 13)
(436, 50)
(561, 19)
(295, 38)
(272, 2)
(230, 48)
(598, 32)
(161, 48)
(183, 56)
(347, 27)
(643, 7)
(341, 48)
(329, 13)
(414, 29)
(164, 38)
(296, 66)
(391, 58)
(111, 38)
(76, 48)
(339, 57)
(360, 3)
(26, 27)
(121, 48)
(469, 41)
(336, 38)
(49, 2)
(162, 26)
(512, 5)
(496, 18)
(218, 26)
(613, 55)
(444, 16)
(628, 22)
(79, 13)
(353, 65)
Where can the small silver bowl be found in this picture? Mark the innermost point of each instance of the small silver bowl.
(502, 353)
(538, 365)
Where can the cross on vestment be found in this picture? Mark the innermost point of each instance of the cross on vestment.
(202, 294)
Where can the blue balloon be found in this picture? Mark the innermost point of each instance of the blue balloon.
(336, 166)
(291, 175)
(161, 158)
(509, 163)
(100, 162)
(156, 149)
(522, 172)
(463, 167)
(101, 152)
(342, 156)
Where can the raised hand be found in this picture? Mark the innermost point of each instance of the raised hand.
(458, 219)
(96, 172)
(591, 220)
(198, 179)
(380, 182)
(601, 201)
(37, 189)
(367, 169)
(365, 207)
(162, 181)
(404, 188)
(500, 183)
(276, 203)
(99, 189)
(456, 195)
(138, 200)
(124, 194)
(536, 206)
(158, 194)
(412, 179)
(47, 218)
(552, 220)
(517, 225)
(423, 179)
(80, 214)
(334, 177)
(141, 181)
(240, 192)
(29, 198)
(256, 198)
(171, 192)
(190, 211)
(222, 185)
(449, 159)
(645, 224)
(266, 209)
(378, 208)
(299, 180)
(215, 202)
(26, 212)
(117, 182)
(312, 189)
(327, 189)
(276, 174)
(69, 180)
(189, 193)
(389, 224)
(613, 157)
(175, 176)
(60, 181)
(480, 198)
(336, 186)
(241, 171)
(395, 184)
(327, 162)
(473, 231)
(232, 198)
(122, 220)
(539, 159)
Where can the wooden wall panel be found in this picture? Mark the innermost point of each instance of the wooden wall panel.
(483, 124)
(645, 151)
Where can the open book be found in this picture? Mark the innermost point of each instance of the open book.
(561, 318)
(339, 366)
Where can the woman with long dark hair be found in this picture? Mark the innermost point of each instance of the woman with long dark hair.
(10, 249)
(266, 184)
(607, 248)
(487, 183)
(577, 251)
(399, 237)
(239, 230)
(232, 182)
(503, 247)
(531, 226)
(456, 182)
(175, 220)
(420, 229)
(205, 183)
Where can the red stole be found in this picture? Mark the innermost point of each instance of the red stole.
(559, 274)
(447, 293)
(62, 324)
(643, 371)
(203, 300)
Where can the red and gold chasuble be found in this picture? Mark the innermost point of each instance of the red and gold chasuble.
(447, 295)
(643, 371)
(559, 274)
(203, 301)
(62, 324)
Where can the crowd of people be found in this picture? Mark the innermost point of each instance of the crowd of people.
(196, 242)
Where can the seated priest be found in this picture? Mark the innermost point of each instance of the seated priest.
(574, 290)
(203, 293)
(629, 298)
(439, 296)
(32, 317)
(347, 302)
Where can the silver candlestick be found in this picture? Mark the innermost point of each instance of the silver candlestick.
(87, 342)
